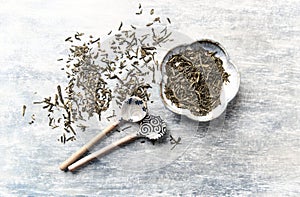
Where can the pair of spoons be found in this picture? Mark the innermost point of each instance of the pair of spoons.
(134, 109)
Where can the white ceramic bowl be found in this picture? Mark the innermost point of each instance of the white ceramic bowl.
(228, 92)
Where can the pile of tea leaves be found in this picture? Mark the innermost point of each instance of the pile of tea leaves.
(195, 80)
(99, 75)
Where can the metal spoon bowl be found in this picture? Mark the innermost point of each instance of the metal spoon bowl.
(133, 109)
(152, 127)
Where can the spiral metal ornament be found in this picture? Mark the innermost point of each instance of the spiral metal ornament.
(152, 127)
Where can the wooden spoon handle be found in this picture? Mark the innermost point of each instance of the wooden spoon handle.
(87, 146)
(101, 152)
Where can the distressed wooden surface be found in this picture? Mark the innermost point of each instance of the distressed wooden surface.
(252, 150)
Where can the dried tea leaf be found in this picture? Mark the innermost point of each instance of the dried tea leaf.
(151, 11)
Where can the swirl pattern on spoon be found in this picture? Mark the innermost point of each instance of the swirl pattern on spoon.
(152, 127)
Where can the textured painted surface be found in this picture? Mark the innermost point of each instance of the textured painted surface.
(252, 150)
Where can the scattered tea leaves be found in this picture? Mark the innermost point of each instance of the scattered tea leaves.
(133, 27)
(23, 110)
(126, 128)
(82, 127)
(91, 71)
(157, 19)
(169, 21)
(140, 12)
(93, 41)
(112, 116)
(68, 39)
(174, 141)
(151, 11)
(120, 27)
(149, 24)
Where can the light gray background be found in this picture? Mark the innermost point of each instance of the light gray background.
(256, 151)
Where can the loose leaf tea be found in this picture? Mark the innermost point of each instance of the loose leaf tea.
(174, 141)
(169, 20)
(98, 75)
(195, 80)
(151, 11)
(23, 110)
